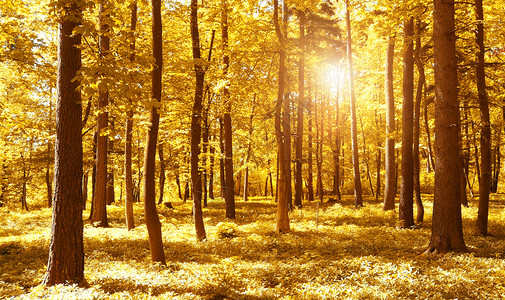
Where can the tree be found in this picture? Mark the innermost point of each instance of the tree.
(406, 208)
(99, 215)
(447, 227)
(130, 222)
(485, 135)
(301, 104)
(150, 213)
(196, 128)
(282, 224)
(358, 193)
(229, 195)
(66, 249)
(417, 125)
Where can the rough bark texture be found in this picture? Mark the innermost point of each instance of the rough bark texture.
(390, 164)
(150, 212)
(229, 196)
(485, 135)
(282, 224)
(301, 104)
(417, 129)
(66, 249)
(358, 192)
(130, 222)
(447, 228)
(99, 215)
(196, 129)
(406, 207)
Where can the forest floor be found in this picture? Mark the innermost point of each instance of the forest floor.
(333, 252)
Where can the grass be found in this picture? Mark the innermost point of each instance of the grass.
(334, 252)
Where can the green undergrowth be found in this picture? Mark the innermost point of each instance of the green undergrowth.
(333, 252)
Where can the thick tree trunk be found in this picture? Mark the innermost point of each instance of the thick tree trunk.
(358, 192)
(66, 249)
(447, 227)
(150, 212)
(229, 196)
(417, 128)
(130, 222)
(485, 135)
(196, 129)
(282, 224)
(299, 124)
(99, 217)
(406, 207)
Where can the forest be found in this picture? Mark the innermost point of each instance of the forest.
(258, 149)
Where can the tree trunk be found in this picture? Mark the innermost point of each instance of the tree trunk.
(378, 124)
(319, 150)
(416, 130)
(367, 158)
(130, 222)
(150, 212)
(211, 173)
(282, 224)
(358, 192)
(336, 150)
(301, 104)
(99, 218)
(66, 249)
(485, 135)
(406, 207)
(85, 179)
(447, 227)
(222, 176)
(162, 172)
(310, 179)
(248, 154)
(196, 129)
(49, 187)
(229, 196)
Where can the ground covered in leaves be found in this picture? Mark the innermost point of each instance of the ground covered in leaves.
(334, 252)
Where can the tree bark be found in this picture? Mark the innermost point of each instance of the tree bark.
(229, 196)
(447, 227)
(99, 217)
(150, 212)
(310, 179)
(66, 249)
(299, 124)
(162, 172)
(282, 224)
(406, 207)
(196, 129)
(130, 222)
(390, 164)
(485, 135)
(358, 192)
(249, 149)
(417, 127)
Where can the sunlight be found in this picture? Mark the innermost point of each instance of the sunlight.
(335, 77)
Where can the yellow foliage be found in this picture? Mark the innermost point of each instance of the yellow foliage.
(334, 252)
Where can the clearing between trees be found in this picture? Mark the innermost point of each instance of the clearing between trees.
(333, 252)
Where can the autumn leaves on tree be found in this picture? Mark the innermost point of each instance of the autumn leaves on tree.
(294, 100)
